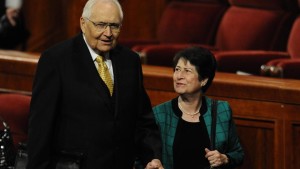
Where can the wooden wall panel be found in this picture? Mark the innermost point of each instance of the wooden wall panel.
(293, 159)
(292, 135)
(72, 13)
(44, 19)
(51, 21)
(141, 18)
(256, 136)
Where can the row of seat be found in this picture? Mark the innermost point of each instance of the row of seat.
(243, 34)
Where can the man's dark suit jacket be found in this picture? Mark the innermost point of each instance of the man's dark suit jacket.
(71, 110)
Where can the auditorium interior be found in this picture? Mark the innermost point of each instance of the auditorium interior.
(256, 44)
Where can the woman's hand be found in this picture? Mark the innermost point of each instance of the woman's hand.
(215, 158)
(154, 164)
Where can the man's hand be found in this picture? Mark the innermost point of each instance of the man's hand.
(154, 164)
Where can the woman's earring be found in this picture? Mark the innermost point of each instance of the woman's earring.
(203, 82)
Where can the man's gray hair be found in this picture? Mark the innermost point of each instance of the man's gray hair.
(87, 10)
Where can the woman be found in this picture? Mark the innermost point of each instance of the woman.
(185, 121)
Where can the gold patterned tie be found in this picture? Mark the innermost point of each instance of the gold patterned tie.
(104, 73)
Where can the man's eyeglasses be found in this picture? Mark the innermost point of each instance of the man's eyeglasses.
(101, 26)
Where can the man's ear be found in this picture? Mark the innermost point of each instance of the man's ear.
(82, 24)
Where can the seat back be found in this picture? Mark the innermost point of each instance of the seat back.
(14, 109)
(293, 47)
(254, 25)
(190, 22)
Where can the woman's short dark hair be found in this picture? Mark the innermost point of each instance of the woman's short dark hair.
(204, 61)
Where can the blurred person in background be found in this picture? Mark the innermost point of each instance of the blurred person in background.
(13, 31)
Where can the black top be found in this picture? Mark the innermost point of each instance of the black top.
(190, 140)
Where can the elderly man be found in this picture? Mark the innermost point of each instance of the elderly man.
(89, 101)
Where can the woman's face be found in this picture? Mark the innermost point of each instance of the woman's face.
(186, 78)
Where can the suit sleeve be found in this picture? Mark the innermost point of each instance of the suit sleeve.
(148, 137)
(45, 96)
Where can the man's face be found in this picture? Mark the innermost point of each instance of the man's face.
(99, 36)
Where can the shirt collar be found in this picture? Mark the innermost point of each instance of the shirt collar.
(92, 52)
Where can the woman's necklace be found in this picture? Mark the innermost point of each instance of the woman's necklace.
(190, 114)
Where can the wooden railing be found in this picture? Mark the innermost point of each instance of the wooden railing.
(266, 110)
(17, 70)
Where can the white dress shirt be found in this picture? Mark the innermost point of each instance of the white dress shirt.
(107, 60)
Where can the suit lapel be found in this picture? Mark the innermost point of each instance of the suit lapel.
(113, 56)
(89, 72)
